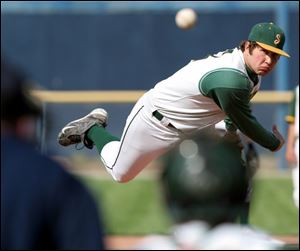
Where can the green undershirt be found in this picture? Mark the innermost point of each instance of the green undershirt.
(231, 91)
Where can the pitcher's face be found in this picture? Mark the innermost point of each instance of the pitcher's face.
(261, 61)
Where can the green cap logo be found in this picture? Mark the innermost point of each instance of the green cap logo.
(269, 36)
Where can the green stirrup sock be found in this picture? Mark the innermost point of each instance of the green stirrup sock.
(100, 136)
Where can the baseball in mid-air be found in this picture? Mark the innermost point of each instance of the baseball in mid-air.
(186, 18)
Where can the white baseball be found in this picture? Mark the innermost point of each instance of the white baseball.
(186, 18)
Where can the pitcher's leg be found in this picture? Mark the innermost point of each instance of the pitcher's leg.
(144, 139)
(123, 163)
(140, 144)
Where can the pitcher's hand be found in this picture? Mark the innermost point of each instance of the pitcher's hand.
(279, 137)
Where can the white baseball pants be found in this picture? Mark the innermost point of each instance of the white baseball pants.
(144, 139)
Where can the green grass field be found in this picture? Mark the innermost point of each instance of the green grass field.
(136, 208)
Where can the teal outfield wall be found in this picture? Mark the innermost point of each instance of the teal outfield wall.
(101, 46)
(125, 50)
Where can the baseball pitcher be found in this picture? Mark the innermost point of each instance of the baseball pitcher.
(196, 97)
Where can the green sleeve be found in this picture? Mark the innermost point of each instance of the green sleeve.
(230, 126)
(232, 93)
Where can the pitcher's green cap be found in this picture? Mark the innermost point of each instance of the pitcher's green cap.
(269, 36)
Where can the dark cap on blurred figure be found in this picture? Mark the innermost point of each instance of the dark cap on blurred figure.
(203, 179)
(16, 100)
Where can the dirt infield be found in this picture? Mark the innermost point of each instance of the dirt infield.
(128, 242)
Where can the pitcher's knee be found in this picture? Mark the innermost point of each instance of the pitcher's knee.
(122, 178)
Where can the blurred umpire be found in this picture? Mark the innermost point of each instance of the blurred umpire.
(204, 185)
(42, 206)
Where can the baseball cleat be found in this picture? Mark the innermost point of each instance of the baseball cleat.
(74, 132)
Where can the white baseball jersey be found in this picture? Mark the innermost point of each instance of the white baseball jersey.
(182, 98)
(197, 96)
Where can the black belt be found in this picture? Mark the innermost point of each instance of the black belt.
(159, 116)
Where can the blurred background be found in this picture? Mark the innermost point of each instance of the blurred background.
(132, 45)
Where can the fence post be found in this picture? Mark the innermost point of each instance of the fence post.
(282, 80)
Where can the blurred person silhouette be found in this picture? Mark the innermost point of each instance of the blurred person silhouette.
(292, 146)
(204, 186)
(249, 158)
(42, 206)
